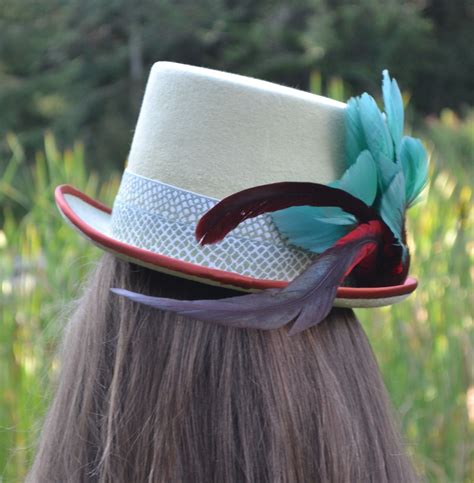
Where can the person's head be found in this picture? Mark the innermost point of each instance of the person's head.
(144, 395)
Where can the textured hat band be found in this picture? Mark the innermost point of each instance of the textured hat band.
(162, 218)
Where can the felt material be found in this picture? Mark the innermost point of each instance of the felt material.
(97, 219)
(218, 133)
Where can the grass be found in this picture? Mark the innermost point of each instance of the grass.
(425, 345)
(41, 264)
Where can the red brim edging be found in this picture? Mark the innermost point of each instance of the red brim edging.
(192, 270)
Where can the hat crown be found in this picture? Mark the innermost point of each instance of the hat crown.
(217, 133)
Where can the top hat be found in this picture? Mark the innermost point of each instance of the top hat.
(202, 135)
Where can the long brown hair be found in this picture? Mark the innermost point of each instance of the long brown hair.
(145, 396)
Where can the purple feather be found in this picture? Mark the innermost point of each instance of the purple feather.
(306, 300)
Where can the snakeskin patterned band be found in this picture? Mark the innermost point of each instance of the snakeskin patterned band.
(162, 218)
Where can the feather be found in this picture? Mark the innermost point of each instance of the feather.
(415, 167)
(355, 138)
(392, 207)
(386, 171)
(331, 215)
(360, 179)
(375, 129)
(303, 228)
(316, 229)
(393, 104)
(306, 300)
(231, 211)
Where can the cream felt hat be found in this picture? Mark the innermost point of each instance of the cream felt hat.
(202, 135)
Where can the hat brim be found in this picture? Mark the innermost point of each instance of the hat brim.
(92, 220)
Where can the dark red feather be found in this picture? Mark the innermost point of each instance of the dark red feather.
(231, 211)
(306, 300)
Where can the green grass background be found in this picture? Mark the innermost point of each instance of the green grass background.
(424, 345)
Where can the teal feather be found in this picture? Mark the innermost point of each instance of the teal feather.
(360, 179)
(393, 104)
(355, 138)
(375, 129)
(414, 159)
(333, 215)
(384, 169)
(317, 229)
(392, 206)
(305, 230)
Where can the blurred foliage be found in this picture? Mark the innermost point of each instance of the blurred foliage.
(78, 67)
(425, 345)
(38, 253)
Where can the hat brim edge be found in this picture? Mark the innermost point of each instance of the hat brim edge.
(349, 297)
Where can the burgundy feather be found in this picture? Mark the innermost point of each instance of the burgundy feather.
(231, 211)
(306, 300)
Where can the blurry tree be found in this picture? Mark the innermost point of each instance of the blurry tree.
(35, 73)
(78, 67)
(362, 38)
(427, 44)
(450, 80)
